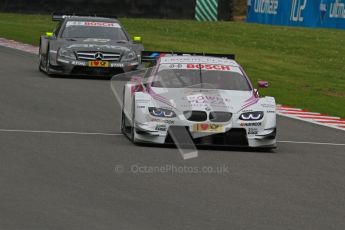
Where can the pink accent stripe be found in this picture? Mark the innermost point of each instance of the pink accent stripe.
(158, 97)
(249, 104)
(250, 101)
(251, 98)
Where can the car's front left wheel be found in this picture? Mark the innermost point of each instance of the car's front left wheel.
(133, 130)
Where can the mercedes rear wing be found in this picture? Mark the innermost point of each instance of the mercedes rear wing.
(152, 56)
(62, 16)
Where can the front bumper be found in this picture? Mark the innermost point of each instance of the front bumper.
(79, 67)
(234, 137)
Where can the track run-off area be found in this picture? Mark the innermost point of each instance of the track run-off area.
(65, 165)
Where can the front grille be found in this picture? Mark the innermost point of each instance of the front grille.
(220, 116)
(101, 56)
(195, 115)
(234, 137)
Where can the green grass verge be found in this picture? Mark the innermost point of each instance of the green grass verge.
(305, 67)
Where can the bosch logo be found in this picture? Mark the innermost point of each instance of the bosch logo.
(98, 56)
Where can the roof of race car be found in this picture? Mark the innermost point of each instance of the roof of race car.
(197, 60)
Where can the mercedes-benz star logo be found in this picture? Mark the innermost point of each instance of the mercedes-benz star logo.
(99, 56)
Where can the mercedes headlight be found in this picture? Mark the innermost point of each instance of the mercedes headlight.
(252, 116)
(66, 53)
(158, 112)
(129, 56)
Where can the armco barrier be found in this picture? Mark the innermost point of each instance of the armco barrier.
(309, 13)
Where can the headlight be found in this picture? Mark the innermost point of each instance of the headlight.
(129, 56)
(157, 112)
(252, 116)
(66, 54)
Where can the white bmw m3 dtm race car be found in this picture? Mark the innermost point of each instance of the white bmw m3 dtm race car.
(210, 98)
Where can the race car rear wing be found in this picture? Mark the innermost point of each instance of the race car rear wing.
(152, 56)
(61, 16)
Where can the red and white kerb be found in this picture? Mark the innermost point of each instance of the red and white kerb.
(312, 117)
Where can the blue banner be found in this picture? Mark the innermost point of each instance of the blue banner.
(309, 13)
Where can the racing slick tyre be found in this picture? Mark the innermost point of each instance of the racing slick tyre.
(123, 123)
(124, 120)
(126, 128)
(133, 131)
(47, 66)
(40, 68)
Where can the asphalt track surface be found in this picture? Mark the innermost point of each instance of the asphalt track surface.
(76, 176)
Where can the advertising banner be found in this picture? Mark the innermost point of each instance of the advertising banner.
(309, 13)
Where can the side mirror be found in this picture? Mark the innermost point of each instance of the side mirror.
(137, 39)
(49, 34)
(138, 86)
(262, 84)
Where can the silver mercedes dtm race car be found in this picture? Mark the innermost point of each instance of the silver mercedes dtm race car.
(88, 46)
(209, 97)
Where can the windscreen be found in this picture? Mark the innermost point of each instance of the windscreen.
(101, 30)
(200, 76)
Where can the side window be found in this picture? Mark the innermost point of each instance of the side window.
(148, 72)
(58, 28)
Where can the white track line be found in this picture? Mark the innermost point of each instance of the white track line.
(311, 143)
(57, 132)
(119, 134)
